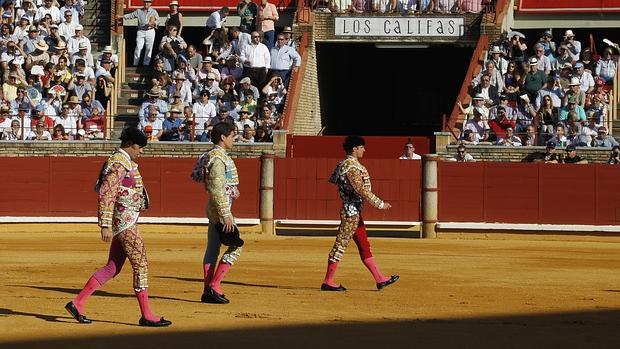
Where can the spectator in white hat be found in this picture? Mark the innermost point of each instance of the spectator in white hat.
(67, 27)
(477, 102)
(534, 79)
(83, 54)
(573, 46)
(73, 45)
(574, 90)
(108, 53)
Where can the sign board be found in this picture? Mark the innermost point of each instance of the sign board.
(399, 26)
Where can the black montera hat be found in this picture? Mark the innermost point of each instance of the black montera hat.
(229, 239)
(353, 141)
(132, 134)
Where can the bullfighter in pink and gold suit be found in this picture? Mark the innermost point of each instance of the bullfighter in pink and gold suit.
(353, 183)
(122, 196)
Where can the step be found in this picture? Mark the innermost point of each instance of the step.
(126, 119)
(132, 93)
(127, 109)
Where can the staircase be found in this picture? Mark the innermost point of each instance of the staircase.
(97, 22)
(132, 94)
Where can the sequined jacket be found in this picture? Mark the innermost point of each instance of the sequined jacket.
(353, 183)
(122, 194)
(219, 174)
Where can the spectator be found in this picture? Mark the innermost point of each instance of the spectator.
(95, 118)
(576, 92)
(275, 92)
(256, 60)
(566, 71)
(496, 56)
(60, 51)
(239, 40)
(228, 92)
(549, 156)
(73, 45)
(495, 79)
(185, 69)
(104, 71)
(66, 29)
(586, 81)
(147, 23)
(548, 116)
(175, 17)
(462, 155)
(204, 112)
(92, 132)
(534, 79)
(517, 51)
(267, 17)
(172, 126)
(572, 157)
(48, 8)
(551, 89)
(152, 122)
(244, 120)
(590, 130)
(512, 77)
(247, 10)
(21, 30)
(39, 56)
(83, 54)
(409, 153)
(27, 10)
(288, 37)
(40, 133)
(232, 69)
(171, 46)
(573, 46)
(548, 45)
(503, 102)
(217, 20)
(267, 120)
(263, 134)
(509, 139)
(588, 62)
(575, 137)
(502, 123)
(215, 91)
(572, 106)
(614, 156)
(476, 124)
(205, 70)
(544, 64)
(80, 88)
(182, 89)
(153, 99)
(469, 138)
(11, 86)
(284, 59)
(529, 139)
(246, 135)
(246, 88)
(68, 121)
(235, 107)
(88, 104)
(251, 104)
(194, 58)
(606, 66)
(12, 133)
(602, 140)
(559, 138)
(599, 108)
(59, 133)
(222, 116)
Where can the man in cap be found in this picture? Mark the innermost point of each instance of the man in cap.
(570, 106)
(214, 90)
(549, 156)
(603, 140)
(21, 30)
(245, 88)
(206, 69)
(586, 81)
(73, 45)
(573, 46)
(48, 8)
(247, 10)
(565, 72)
(122, 195)
(534, 79)
(60, 50)
(571, 156)
(27, 44)
(353, 182)
(147, 23)
(548, 44)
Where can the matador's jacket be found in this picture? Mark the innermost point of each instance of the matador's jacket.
(354, 187)
(122, 194)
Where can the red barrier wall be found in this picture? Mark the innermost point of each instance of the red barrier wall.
(63, 186)
(301, 189)
(528, 193)
(563, 6)
(199, 5)
(331, 146)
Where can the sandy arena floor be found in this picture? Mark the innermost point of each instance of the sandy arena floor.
(452, 294)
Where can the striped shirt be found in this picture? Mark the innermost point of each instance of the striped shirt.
(143, 17)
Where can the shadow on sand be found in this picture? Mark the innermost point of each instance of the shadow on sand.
(563, 330)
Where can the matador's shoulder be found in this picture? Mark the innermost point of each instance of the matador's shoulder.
(216, 153)
(349, 164)
(118, 158)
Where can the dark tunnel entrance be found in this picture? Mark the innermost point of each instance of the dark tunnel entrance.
(388, 90)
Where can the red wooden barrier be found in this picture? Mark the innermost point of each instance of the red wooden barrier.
(331, 146)
(63, 186)
(301, 189)
(528, 193)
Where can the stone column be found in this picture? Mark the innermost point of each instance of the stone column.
(429, 195)
(266, 191)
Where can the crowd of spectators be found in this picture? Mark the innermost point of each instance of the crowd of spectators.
(550, 92)
(237, 74)
(52, 87)
(401, 6)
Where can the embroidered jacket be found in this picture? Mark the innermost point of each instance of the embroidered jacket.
(219, 174)
(353, 183)
(122, 194)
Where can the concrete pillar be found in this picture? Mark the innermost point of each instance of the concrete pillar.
(266, 191)
(429, 195)
(279, 142)
(442, 140)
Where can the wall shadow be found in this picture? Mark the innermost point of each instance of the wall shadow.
(561, 330)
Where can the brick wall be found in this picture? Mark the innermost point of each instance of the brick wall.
(308, 116)
(517, 154)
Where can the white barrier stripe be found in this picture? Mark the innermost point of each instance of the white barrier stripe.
(541, 227)
(337, 222)
(147, 220)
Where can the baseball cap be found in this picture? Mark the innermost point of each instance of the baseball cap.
(578, 65)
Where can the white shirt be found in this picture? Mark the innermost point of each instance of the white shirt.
(66, 29)
(204, 113)
(73, 45)
(53, 11)
(215, 20)
(256, 56)
(586, 81)
(413, 157)
(69, 123)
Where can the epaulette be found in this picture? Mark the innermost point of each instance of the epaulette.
(350, 163)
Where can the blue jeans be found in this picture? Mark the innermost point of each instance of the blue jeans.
(268, 39)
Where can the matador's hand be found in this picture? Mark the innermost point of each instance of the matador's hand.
(106, 234)
(386, 205)
(228, 225)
